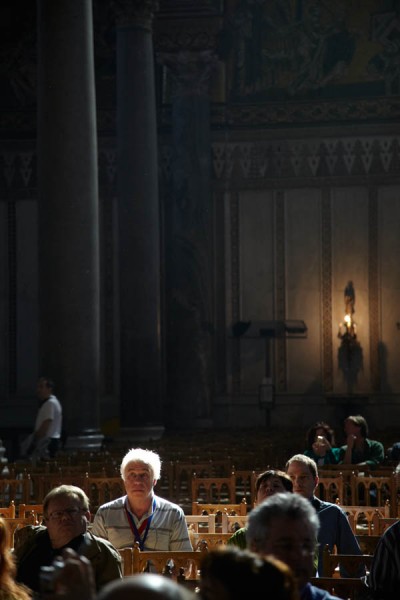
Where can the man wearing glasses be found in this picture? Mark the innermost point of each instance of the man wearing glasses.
(66, 518)
(286, 526)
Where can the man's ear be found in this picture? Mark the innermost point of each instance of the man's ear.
(316, 481)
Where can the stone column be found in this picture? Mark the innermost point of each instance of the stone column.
(139, 230)
(68, 210)
(189, 237)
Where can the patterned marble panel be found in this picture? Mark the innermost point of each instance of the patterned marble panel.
(350, 254)
(303, 286)
(389, 253)
(256, 212)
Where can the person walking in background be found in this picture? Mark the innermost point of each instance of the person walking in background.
(45, 440)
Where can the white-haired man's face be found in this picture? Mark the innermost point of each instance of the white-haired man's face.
(138, 481)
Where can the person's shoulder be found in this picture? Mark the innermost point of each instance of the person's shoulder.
(112, 504)
(102, 544)
(329, 507)
(373, 442)
(164, 504)
(27, 537)
(317, 593)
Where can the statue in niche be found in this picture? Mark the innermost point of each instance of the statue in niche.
(349, 298)
(350, 355)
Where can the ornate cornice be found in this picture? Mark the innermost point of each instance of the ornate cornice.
(199, 35)
(135, 13)
(279, 114)
(190, 71)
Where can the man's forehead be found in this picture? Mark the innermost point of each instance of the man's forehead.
(137, 466)
(289, 528)
(300, 467)
(64, 500)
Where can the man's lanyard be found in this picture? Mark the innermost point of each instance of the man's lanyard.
(143, 527)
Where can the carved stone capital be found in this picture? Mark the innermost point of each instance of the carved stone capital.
(190, 71)
(137, 13)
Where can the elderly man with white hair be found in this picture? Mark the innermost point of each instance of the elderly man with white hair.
(141, 516)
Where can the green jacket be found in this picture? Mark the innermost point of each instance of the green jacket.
(373, 454)
(104, 558)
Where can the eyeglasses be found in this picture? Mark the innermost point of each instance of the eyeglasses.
(56, 515)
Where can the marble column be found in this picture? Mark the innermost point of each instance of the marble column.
(141, 383)
(190, 241)
(68, 211)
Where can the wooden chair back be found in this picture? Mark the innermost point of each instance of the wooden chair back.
(380, 524)
(25, 510)
(369, 490)
(351, 562)
(102, 489)
(214, 490)
(212, 540)
(368, 543)
(245, 486)
(190, 561)
(127, 561)
(330, 488)
(15, 490)
(203, 523)
(350, 588)
(214, 509)
(19, 523)
(8, 512)
(230, 523)
(361, 517)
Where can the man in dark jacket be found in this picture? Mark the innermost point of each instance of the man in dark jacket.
(66, 517)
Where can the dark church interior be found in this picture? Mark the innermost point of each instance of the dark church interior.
(199, 211)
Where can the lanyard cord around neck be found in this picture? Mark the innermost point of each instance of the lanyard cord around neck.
(137, 533)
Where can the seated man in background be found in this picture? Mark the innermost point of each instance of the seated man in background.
(66, 517)
(334, 527)
(267, 484)
(359, 449)
(286, 526)
(141, 516)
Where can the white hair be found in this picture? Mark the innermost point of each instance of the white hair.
(147, 457)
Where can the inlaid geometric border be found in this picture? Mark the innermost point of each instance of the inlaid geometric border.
(235, 283)
(326, 281)
(373, 289)
(280, 289)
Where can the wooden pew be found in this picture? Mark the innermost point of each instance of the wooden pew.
(160, 560)
(350, 588)
(351, 562)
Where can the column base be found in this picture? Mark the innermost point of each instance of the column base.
(89, 439)
(132, 435)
